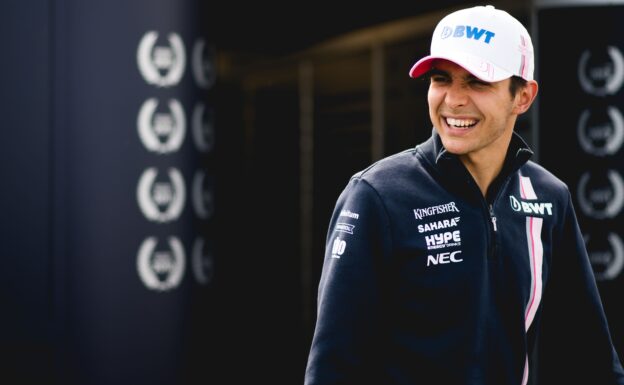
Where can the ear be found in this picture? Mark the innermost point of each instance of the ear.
(525, 97)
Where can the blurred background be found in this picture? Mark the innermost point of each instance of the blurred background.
(170, 168)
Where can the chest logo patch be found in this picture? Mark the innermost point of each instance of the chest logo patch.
(530, 207)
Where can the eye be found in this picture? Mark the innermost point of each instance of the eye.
(475, 82)
(437, 78)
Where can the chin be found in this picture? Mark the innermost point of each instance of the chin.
(455, 146)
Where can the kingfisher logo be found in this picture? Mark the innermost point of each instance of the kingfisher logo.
(539, 208)
(468, 32)
(435, 210)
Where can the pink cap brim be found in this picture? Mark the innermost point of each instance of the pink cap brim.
(421, 67)
(482, 70)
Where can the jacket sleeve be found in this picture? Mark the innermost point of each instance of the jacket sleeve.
(575, 344)
(349, 292)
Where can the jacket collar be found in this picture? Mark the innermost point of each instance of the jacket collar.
(439, 158)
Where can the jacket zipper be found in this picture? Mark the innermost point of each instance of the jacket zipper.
(493, 218)
(493, 246)
(493, 252)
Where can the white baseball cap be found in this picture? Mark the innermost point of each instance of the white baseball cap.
(489, 43)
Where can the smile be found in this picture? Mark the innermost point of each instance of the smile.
(460, 122)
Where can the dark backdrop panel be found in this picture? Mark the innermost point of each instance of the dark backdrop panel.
(135, 194)
(581, 132)
(25, 281)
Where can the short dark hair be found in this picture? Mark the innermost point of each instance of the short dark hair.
(515, 84)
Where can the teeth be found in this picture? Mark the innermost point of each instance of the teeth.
(460, 122)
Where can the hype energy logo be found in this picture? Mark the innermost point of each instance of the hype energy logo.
(443, 240)
(468, 32)
(533, 208)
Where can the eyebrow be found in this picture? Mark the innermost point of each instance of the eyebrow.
(437, 71)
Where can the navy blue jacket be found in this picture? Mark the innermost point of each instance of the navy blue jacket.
(425, 281)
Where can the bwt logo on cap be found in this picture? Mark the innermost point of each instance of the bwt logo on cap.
(468, 32)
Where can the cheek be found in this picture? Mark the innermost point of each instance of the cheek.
(431, 94)
(433, 99)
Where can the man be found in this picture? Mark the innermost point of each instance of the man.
(461, 261)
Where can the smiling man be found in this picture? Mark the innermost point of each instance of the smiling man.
(461, 260)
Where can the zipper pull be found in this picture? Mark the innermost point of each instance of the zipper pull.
(493, 217)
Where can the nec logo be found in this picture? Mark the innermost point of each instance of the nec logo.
(531, 207)
(468, 32)
(443, 258)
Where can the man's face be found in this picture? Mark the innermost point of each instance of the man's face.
(473, 118)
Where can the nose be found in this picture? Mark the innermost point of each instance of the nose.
(456, 95)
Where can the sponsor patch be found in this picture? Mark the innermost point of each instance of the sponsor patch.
(347, 213)
(443, 240)
(438, 225)
(344, 228)
(530, 207)
(435, 210)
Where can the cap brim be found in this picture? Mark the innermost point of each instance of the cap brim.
(481, 69)
(421, 67)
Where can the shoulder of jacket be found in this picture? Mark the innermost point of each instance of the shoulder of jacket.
(543, 176)
(392, 163)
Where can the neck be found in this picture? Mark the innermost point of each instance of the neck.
(485, 165)
(483, 171)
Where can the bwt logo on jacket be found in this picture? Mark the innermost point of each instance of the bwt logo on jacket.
(468, 32)
(540, 208)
